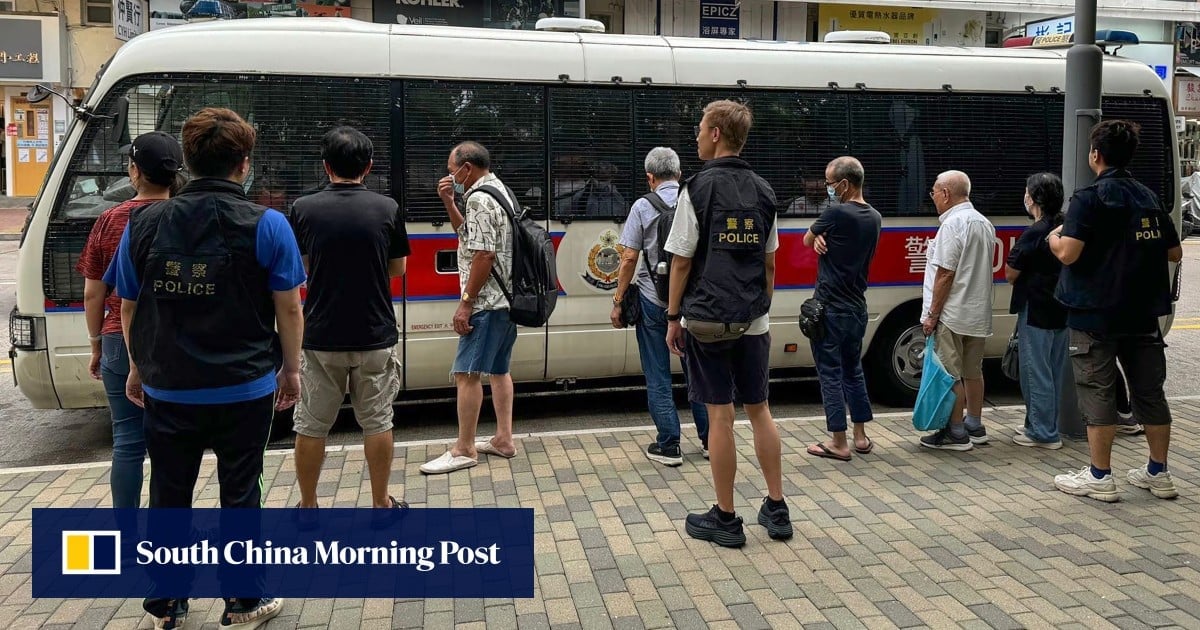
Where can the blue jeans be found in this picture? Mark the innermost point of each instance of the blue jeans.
(656, 365)
(129, 440)
(839, 367)
(1042, 355)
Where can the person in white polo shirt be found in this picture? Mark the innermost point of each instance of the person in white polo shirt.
(957, 305)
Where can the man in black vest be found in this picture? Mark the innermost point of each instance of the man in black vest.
(205, 278)
(1115, 245)
(724, 239)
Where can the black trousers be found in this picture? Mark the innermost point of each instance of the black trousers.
(177, 435)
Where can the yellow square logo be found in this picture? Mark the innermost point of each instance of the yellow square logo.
(91, 552)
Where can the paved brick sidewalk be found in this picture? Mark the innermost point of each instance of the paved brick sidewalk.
(899, 538)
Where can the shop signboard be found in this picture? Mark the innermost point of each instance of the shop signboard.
(720, 19)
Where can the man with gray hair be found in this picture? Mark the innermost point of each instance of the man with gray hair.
(957, 305)
(640, 235)
(844, 237)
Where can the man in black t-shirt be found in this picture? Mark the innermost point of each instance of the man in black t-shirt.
(1115, 246)
(353, 242)
(845, 236)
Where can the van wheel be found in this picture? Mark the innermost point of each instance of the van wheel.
(281, 424)
(896, 357)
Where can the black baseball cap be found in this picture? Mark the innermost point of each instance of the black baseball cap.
(157, 154)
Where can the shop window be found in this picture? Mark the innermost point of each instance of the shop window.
(97, 12)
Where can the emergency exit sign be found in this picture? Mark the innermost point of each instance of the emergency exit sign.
(720, 19)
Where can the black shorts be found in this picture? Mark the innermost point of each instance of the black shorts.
(1143, 357)
(728, 371)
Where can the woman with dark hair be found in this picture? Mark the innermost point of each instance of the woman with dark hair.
(1041, 321)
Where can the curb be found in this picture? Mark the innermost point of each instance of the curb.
(10, 237)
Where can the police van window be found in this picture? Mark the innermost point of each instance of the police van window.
(286, 163)
(591, 153)
(666, 118)
(507, 119)
(1152, 164)
(795, 135)
(905, 141)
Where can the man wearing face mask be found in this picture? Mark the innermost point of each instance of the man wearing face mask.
(486, 334)
(844, 236)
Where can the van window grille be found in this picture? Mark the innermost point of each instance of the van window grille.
(290, 115)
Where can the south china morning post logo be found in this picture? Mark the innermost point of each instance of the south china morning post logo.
(91, 552)
(350, 552)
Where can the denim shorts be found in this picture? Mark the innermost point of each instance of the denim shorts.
(487, 349)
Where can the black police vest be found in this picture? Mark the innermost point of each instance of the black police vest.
(735, 209)
(1124, 263)
(205, 315)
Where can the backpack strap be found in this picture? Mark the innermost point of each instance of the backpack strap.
(657, 202)
(494, 193)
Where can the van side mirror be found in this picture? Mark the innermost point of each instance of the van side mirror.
(39, 93)
(120, 122)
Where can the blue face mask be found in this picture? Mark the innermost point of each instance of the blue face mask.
(833, 196)
(459, 187)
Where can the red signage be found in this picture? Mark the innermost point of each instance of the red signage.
(10, 129)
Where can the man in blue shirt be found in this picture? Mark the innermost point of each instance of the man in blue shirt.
(205, 278)
(640, 236)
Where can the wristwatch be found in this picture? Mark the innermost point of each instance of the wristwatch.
(466, 297)
(674, 318)
(616, 299)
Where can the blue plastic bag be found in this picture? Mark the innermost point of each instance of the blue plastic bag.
(935, 399)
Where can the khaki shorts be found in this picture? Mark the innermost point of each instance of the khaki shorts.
(372, 377)
(961, 355)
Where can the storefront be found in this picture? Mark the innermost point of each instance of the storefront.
(31, 52)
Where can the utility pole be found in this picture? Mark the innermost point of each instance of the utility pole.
(1081, 112)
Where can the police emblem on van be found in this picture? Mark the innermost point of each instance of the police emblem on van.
(603, 263)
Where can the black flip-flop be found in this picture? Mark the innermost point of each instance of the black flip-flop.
(864, 451)
(826, 453)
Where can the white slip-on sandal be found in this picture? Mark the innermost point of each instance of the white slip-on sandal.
(488, 448)
(447, 463)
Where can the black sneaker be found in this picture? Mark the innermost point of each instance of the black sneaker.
(977, 436)
(245, 616)
(382, 518)
(711, 527)
(168, 614)
(777, 520)
(670, 456)
(943, 440)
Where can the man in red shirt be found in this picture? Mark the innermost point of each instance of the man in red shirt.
(155, 159)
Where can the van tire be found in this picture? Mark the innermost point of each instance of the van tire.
(898, 345)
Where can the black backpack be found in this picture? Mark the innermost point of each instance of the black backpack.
(534, 270)
(666, 216)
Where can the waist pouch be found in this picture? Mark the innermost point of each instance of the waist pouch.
(713, 332)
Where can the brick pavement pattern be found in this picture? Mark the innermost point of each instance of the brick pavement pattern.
(903, 537)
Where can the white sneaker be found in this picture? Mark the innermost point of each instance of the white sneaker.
(1083, 484)
(1160, 485)
(1130, 429)
(1021, 439)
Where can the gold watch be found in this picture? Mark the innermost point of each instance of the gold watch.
(616, 299)
(466, 297)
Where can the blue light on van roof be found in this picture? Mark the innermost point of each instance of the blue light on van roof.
(1113, 36)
